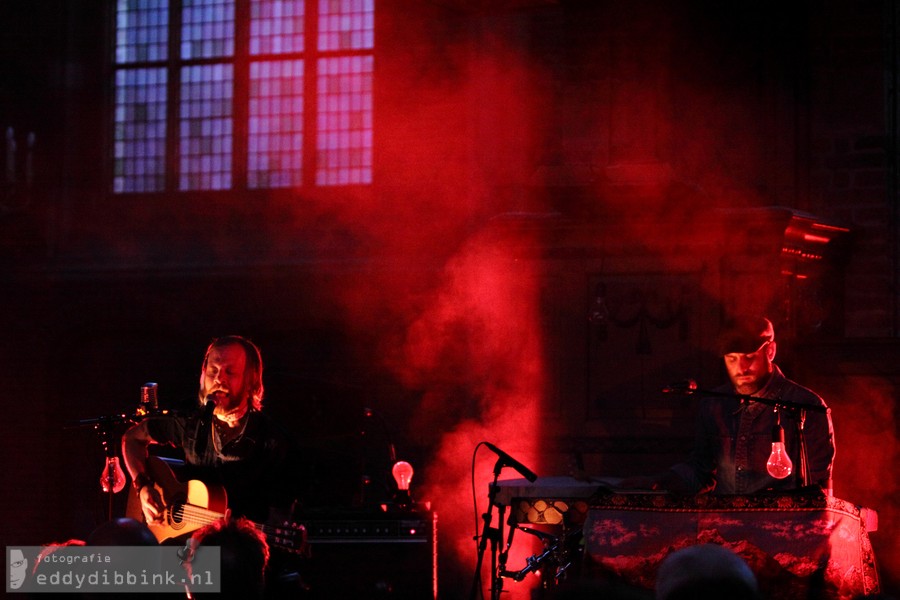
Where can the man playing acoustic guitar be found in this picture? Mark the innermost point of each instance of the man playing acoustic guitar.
(229, 443)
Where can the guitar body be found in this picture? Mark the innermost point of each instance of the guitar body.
(188, 505)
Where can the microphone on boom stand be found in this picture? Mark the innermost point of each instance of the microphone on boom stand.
(508, 461)
(686, 386)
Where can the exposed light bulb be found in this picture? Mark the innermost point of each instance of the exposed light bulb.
(403, 473)
(779, 464)
(112, 476)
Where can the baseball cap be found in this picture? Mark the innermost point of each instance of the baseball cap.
(745, 334)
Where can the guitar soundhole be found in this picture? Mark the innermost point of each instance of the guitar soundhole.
(176, 514)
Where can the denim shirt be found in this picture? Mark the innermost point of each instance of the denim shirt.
(734, 440)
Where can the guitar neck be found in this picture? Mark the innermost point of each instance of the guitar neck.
(289, 536)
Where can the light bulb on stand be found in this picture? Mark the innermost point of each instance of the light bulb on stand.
(112, 476)
(403, 473)
(779, 464)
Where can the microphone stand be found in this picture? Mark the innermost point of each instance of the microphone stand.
(795, 409)
(103, 425)
(492, 535)
(504, 554)
(804, 457)
(554, 553)
(776, 402)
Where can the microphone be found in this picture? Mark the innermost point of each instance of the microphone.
(149, 400)
(509, 461)
(688, 386)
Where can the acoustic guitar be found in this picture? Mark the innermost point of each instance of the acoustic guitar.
(192, 504)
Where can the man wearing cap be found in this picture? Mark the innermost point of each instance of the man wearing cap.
(734, 436)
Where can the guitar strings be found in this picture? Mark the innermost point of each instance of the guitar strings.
(193, 514)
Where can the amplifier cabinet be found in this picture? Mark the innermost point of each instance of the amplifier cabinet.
(390, 556)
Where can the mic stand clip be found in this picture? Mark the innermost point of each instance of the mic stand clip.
(554, 552)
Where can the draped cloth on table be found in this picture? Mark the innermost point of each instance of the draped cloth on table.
(795, 544)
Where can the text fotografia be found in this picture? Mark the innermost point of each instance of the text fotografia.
(55, 557)
(111, 569)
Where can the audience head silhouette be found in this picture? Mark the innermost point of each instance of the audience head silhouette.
(706, 571)
(121, 532)
(244, 555)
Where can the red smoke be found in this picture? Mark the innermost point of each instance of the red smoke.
(477, 348)
(868, 451)
(455, 311)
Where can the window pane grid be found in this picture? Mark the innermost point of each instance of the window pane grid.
(276, 26)
(205, 127)
(277, 140)
(344, 121)
(141, 30)
(275, 128)
(346, 25)
(140, 131)
(207, 29)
